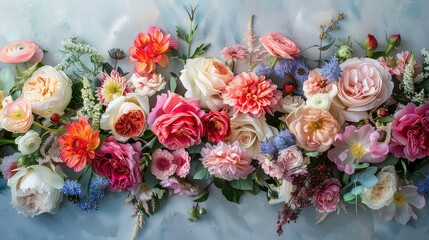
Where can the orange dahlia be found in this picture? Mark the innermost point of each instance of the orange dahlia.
(78, 144)
(151, 48)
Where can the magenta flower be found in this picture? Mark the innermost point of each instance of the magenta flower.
(234, 52)
(400, 208)
(355, 146)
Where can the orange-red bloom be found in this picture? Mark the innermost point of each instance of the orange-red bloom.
(151, 48)
(78, 144)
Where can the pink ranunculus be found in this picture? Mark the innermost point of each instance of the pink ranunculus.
(119, 162)
(217, 126)
(410, 132)
(364, 85)
(327, 200)
(176, 121)
(182, 161)
(280, 46)
(226, 161)
(162, 165)
(21, 52)
(179, 186)
(17, 116)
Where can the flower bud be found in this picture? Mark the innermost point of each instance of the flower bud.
(393, 42)
(344, 53)
(370, 44)
(383, 112)
(55, 118)
(193, 212)
(202, 211)
(289, 88)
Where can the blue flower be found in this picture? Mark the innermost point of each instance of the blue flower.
(96, 190)
(423, 186)
(71, 188)
(283, 66)
(261, 70)
(331, 70)
(89, 205)
(283, 140)
(268, 148)
(301, 71)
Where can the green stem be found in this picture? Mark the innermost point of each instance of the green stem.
(274, 63)
(190, 40)
(89, 185)
(233, 66)
(46, 128)
(7, 141)
(82, 174)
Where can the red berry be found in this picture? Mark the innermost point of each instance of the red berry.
(383, 112)
(289, 88)
(55, 118)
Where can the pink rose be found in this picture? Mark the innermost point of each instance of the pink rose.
(290, 158)
(280, 46)
(21, 52)
(17, 116)
(176, 121)
(410, 132)
(119, 162)
(216, 126)
(364, 85)
(327, 199)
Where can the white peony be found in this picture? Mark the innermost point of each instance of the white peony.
(35, 190)
(381, 194)
(29, 143)
(48, 90)
(205, 78)
(148, 84)
(284, 192)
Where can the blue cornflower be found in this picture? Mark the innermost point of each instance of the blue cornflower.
(96, 190)
(283, 66)
(423, 186)
(268, 148)
(331, 70)
(301, 70)
(283, 140)
(71, 188)
(261, 70)
(88, 205)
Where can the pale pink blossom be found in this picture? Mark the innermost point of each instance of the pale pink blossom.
(234, 52)
(397, 67)
(162, 165)
(17, 116)
(327, 199)
(182, 161)
(179, 186)
(8, 164)
(317, 83)
(270, 167)
(21, 52)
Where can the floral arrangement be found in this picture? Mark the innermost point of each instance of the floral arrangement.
(353, 130)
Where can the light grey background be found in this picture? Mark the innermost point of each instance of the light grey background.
(108, 24)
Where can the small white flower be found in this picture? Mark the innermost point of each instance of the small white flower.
(29, 143)
(320, 101)
(148, 85)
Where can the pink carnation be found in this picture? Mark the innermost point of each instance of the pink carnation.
(251, 94)
(182, 161)
(179, 187)
(327, 199)
(162, 165)
(234, 52)
(8, 164)
(270, 167)
(226, 161)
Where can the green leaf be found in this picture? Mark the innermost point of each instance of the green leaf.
(349, 197)
(255, 190)
(390, 160)
(327, 46)
(201, 172)
(260, 177)
(312, 154)
(7, 80)
(200, 50)
(76, 100)
(202, 196)
(195, 149)
(242, 184)
(361, 165)
(346, 178)
(232, 195)
(407, 174)
(219, 182)
(150, 180)
(182, 35)
(150, 144)
(173, 84)
(148, 134)
(386, 119)
(378, 54)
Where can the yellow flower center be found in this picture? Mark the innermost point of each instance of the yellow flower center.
(112, 89)
(315, 125)
(357, 151)
(18, 115)
(398, 199)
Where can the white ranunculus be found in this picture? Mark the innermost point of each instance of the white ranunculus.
(381, 194)
(48, 90)
(205, 78)
(249, 131)
(148, 85)
(29, 143)
(35, 190)
(284, 193)
(320, 101)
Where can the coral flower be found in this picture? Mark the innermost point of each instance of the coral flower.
(151, 48)
(112, 86)
(78, 144)
(251, 94)
(234, 52)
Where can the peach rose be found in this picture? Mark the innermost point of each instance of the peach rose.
(280, 46)
(48, 90)
(364, 85)
(16, 116)
(21, 52)
(313, 128)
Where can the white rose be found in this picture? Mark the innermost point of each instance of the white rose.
(29, 143)
(204, 78)
(126, 116)
(48, 90)
(35, 190)
(320, 101)
(289, 103)
(381, 194)
(149, 84)
(249, 132)
(284, 192)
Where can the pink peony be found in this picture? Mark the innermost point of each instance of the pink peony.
(280, 46)
(162, 165)
(182, 161)
(251, 94)
(216, 126)
(327, 199)
(179, 187)
(17, 116)
(119, 162)
(21, 52)
(355, 146)
(226, 161)
(410, 132)
(176, 121)
(9, 164)
(234, 52)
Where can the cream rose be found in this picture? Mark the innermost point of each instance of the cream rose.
(126, 116)
(249, 132)
(289, 103)
(364, 85)
(29, 143)
(381, 194)
(35, 190)
(148, 84)
(205, 78)
(48, 90)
